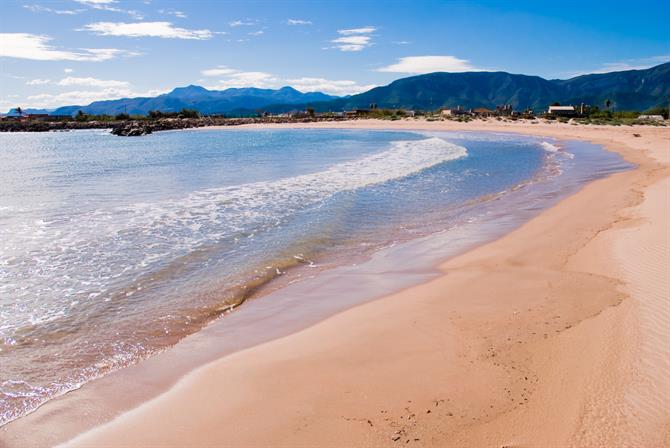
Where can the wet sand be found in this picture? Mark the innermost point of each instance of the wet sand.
(557, 334)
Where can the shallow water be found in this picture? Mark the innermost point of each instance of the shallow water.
(112, 248)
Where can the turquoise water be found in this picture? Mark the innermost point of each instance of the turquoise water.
(114, 248)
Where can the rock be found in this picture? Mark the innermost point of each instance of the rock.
(131, 130)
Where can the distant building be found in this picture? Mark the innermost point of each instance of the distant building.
(483, 112)
(562, 111)
(356, 113)
(505, 110)
(453, 112)
(651, 117)
(40, 117)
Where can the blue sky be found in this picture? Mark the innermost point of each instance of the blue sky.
(60, 52)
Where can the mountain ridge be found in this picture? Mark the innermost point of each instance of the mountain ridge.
(197, 97)
(626, 90)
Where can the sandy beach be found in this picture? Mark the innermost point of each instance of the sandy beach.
(555, 335)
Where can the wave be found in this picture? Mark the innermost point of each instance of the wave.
(555, 149)
(82, 258)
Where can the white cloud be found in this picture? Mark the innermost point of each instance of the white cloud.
(257, 33)
(163, 30)
(37, 82)
(106, 5)
(295, 22)
(85, 97)
(39, 8)
(221, 70)
(352, 43)
(172, 12)
(364, 30)
(429, 64)
(96, 2)
(74, 81)
(261, 80)
(354, 39)
(236, 23)
(237, 78)
(91, 82)
(332, 87)
(68, 70)
(36, 47)
(632, 64)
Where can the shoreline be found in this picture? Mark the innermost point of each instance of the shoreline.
(314, 412)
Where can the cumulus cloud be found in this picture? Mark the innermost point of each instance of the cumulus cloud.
(354, 39)
(36, 47)
(296, 22)
(163, 30)
(428, 64)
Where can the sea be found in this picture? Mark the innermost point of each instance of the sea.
(113, 249)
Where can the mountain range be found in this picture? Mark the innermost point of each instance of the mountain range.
(626, 90)
(204, 100)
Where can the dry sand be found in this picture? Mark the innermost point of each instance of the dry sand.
(557, 334)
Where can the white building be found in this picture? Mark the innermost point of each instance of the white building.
(453, 112)
(651, 117)
(561, 110)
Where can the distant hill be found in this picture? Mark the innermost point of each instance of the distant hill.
(14, 111)
(205, 101)
(627, 90)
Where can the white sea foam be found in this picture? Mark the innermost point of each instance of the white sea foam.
(550, 147)
(48, 265)
(555, 149)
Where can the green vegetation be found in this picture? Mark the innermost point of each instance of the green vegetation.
(188, 113)
(184, 113)
(624, 117)
(658, 111)
(386, 114)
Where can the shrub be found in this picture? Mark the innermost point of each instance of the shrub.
(189, 113)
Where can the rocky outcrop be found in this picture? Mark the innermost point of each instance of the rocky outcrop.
(132, 129)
